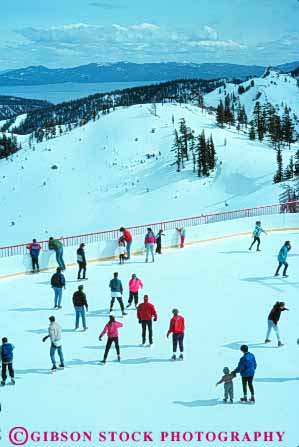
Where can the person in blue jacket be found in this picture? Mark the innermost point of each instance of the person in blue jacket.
(6, 356)
(256, 235)
(246, 367)
(116, 288)
(282, 258)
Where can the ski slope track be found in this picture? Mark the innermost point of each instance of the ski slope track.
(119, 171)
(225, 294)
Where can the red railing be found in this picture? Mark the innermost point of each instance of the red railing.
(266, 210)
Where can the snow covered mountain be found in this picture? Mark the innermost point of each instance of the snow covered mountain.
(273, 87)
(120, 169)
(11, 106)
(127, 71)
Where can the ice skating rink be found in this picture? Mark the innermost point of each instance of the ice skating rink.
(225, 294)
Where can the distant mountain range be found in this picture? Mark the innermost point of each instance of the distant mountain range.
(127, 71)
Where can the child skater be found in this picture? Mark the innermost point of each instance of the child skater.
(227, 379)
(122, 250)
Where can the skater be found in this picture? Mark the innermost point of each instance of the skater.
(128, 238)
(122, 250)
(159, 241)
(54, 333)
(182, 232)
(256, 235)
(145, 312)
(273, 319)
(6, 356)
(80, 304)
(116, 288)
(282, 258)
(34, 249)
(56, 245)
(57, 283)
(81, 259)
(246, 367)
(134, 285)
(149, 242)
(227, 380)
(111, 329)
(177, 329)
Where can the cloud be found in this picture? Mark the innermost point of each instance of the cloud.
(80, 43)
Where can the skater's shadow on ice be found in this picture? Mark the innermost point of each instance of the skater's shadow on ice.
(38, 331)
(79, 362)
(272, 283)
(30, 309)
(276, 379)
(199, 403)
(32, 371)
(94, 313)
(103, 347)
(233, 252)
(143, 360)
(237, 345)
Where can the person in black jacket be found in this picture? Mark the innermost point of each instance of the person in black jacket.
(159, 241)
(57, 283)
(81, 261)
(273, 319)
(80, 304)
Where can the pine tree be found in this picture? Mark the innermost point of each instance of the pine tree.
(220, 118)
(211, 153)
(289, 171)
(252, 134)
(203, 154)
(296, 164)
(287, 127)
(184, 137)
(278, 177)
(177, 149)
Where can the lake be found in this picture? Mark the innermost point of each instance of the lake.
(56, 93)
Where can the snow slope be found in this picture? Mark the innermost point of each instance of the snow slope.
(224, 293)
(275, 88)
(105, 179)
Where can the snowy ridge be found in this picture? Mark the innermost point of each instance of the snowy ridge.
(274, 87)
(119, 170)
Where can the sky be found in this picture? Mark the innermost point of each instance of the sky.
(65, 33)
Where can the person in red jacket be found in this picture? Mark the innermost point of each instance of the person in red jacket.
(177, 329)
(145, 312)
(128, 238)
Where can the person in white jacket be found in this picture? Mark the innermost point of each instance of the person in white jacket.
(54, 333)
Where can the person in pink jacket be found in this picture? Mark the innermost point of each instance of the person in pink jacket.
(134, 285)
(111, 329)
(149, 242)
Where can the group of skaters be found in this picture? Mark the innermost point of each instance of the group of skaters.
(151, 241)
(247, 363)
(146, 312)
(282, 254)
